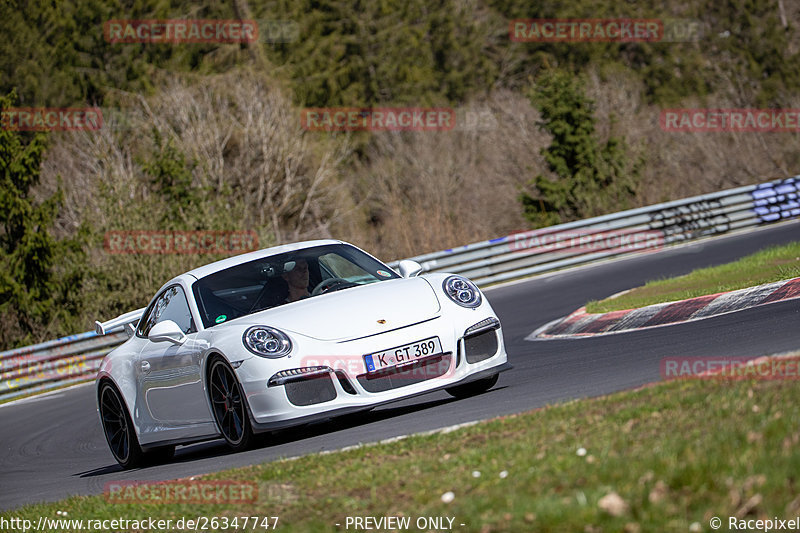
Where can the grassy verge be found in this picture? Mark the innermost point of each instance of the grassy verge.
(676, 454)
(772, 264)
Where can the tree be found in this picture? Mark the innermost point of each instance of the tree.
(591, 177)
(38, 274)
(171, 177)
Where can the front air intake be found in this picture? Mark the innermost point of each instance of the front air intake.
(481, 346)
(311, 390)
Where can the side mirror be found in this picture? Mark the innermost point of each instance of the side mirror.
(409, 268)
(167, 331)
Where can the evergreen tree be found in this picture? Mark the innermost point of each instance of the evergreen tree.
(171, 177)
(591, 177)
(38, 274)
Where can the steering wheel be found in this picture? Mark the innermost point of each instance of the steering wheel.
(327, 284)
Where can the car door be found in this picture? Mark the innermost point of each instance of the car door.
(170, 378)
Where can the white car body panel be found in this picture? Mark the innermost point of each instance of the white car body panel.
(164, 385)
(354, 313)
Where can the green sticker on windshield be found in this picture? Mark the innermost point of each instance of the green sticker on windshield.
(221, 318)
(384, 273)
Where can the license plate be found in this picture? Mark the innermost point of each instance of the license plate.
(402, 354)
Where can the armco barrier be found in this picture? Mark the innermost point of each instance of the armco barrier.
(54, 363)
(532, 252)
(76, 358)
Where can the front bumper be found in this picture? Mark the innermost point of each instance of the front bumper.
(339, 382)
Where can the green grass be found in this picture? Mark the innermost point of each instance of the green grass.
(771, 264)
(677, 453)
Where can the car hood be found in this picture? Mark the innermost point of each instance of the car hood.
(355, 312)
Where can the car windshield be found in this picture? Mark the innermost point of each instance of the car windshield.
(285, 278)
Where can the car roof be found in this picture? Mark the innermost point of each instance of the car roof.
(205, 270)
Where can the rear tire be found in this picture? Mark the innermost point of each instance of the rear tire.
(473, 387)
(118, 428)
(228, 406)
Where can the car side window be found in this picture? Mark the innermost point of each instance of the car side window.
(170, 305)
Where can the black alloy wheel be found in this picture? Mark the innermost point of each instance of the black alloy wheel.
(118, 429)
(228, 406)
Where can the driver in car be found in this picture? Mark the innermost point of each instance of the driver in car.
(297, 279)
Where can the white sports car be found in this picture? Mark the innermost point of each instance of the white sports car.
(286, 336)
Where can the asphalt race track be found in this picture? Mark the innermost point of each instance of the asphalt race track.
(53, 447)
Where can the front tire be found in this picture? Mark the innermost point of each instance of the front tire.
(228, 406)
(473, 387)
(118, 428)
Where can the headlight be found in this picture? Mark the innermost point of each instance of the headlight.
(267, 342)
(462, 291)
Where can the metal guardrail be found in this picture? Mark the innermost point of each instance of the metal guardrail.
(636, 230)
(76, 358)
(55, 363)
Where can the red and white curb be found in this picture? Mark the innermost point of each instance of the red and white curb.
(583, 324)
